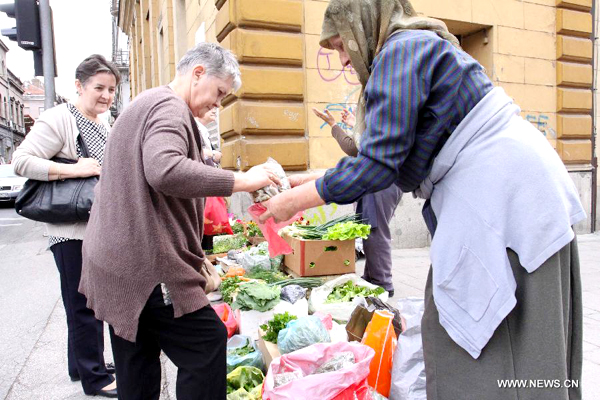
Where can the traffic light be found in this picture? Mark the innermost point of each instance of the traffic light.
(27, 33)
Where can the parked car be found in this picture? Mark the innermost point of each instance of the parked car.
(10, 183)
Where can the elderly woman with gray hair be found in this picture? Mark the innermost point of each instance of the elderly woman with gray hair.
(142, 253)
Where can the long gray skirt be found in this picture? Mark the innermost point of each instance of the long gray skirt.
(539, 342)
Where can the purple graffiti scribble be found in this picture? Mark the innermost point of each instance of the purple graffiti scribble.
(330, 75)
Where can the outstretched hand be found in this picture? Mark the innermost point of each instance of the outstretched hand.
(325, 116)
(348, 118)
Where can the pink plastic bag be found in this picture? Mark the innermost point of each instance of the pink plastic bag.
(269, 229)
(345, 384)
(226, 314)
(326, 319)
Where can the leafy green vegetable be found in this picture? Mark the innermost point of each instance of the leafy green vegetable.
(348, 291)
(257, 296)
(252, 230)
(238, 227)
(222, 244)
(244, 377)
(273, 326)
(268, 276)
(304, 282)
(228, 286)
(342, 228)
(316, 232)
(241, 351)
(347, 230)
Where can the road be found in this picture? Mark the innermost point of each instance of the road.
(33, 330)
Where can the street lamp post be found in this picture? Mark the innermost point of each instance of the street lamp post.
(48, 53)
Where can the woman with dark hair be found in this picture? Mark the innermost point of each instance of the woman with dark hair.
(503, 296)
(55, 134)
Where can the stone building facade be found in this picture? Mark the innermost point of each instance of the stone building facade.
(12, 120)
(539, 51)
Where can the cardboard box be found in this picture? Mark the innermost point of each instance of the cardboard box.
(269, 350)
(320, 257)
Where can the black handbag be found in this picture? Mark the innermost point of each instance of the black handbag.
(60, 201)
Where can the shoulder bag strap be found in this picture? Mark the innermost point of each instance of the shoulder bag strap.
(84, 149)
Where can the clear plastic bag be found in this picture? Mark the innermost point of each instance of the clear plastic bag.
(253, 359)
(339, 311)
(272, 190)
(302, 333)
(257, 258)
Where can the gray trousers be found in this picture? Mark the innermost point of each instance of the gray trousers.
(541, 339)
(379, 211)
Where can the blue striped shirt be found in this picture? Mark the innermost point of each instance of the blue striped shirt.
(420, 89)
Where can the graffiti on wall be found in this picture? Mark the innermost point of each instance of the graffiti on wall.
(540, 121)
(319, 215)
(328, 74)
(339, 107)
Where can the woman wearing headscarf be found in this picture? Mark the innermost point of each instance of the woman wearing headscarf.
(503, 296)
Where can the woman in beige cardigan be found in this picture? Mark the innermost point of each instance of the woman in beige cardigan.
(55, 135)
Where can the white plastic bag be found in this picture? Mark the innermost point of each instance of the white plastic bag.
(408, 371)
(249, 322)
(339, 311)
(299, 308)
(338, 333)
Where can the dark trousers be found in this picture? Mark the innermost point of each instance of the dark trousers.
(195, 342)
(85, 348)
(207, 242)
(379, 210)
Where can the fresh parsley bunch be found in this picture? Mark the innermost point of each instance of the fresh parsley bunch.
(273, 326)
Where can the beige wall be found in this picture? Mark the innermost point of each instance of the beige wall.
(539, 51)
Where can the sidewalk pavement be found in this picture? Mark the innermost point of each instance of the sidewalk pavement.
(44, 374)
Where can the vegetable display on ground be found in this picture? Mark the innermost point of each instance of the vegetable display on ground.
(348, 291)
(275, 325)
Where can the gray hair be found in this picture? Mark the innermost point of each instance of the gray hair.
(218, 62)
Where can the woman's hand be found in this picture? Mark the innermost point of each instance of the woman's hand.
(325, 116)
(257, 177)
(286, 204)
(282, 207)
(84, 168)
(348, 118)
(217, 156)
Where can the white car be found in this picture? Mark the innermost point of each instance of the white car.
(10, 183)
